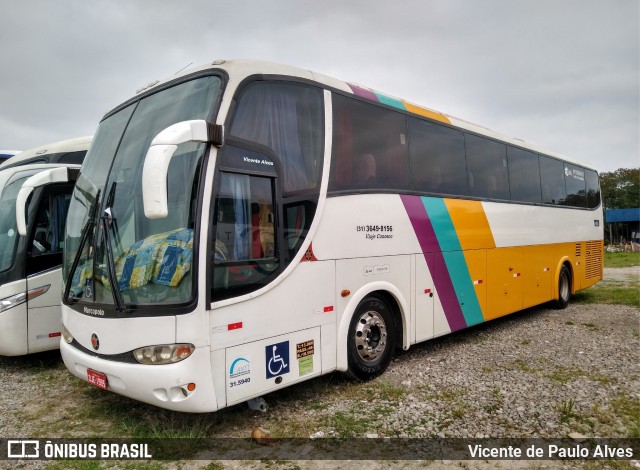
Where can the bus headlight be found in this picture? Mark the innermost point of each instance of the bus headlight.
(12, 301)
(163, 354)
(68, 337)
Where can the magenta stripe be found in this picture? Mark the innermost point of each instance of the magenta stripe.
(435, 261)
(363, 92)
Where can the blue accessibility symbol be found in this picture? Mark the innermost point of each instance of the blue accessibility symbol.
(277, 359)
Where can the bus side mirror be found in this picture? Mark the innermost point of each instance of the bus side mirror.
(52, 176)
(159, 155)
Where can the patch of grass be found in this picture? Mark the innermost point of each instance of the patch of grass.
(569, 323)
(621, 260)
(628, 409)
(349, 424)
(522, 365)
(590, 326)
(566, 374)
(610, 293)
(566, 410)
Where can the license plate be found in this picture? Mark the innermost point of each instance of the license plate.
(97, 378)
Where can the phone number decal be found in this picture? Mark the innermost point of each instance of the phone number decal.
(374, 228)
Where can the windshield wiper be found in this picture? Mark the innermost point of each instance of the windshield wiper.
(88, 226)
(107, 222)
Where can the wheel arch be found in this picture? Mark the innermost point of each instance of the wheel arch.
(396, 301)
(564, 261)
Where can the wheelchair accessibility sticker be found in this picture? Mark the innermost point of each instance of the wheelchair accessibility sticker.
(277, 359)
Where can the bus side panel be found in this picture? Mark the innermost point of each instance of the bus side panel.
(363, 276)
(504, 281)
(13, 322)
(44, 314)
(304, 299)
(538, 275)
(263, 366)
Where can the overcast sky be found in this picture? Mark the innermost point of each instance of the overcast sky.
(562, 74)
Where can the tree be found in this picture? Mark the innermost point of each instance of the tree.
(621, 188)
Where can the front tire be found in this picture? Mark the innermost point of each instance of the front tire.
(371, 339)
(564, 288)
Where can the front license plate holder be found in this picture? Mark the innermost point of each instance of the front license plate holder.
(97, 378)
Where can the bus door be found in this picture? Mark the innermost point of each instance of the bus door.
(43, 262)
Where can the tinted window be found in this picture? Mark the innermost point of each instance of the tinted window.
(72, 157)
(524, 175)
(437, 158)
(593, 188)
(245, 256)
(369, 147)
(487, 168)
(576, 188)
(288, 119)
(552, 181)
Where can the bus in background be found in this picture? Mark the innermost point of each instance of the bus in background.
(247, 226)
(69, 151)
(34, 199)
(5, 154)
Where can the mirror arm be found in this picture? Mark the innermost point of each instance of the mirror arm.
(159, 155)
(52, 176)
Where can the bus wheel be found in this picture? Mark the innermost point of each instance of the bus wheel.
(564, 288)
(372, 339)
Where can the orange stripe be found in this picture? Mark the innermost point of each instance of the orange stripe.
(471, 224)
(412, 108)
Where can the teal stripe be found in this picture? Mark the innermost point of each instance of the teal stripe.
(454, 259)
(391, 101)
(442, 224)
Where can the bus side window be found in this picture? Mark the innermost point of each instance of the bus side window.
(47, 236)
(370, 148)
(245, 250)
(298, 216)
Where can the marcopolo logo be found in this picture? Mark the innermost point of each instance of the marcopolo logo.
(94, 311)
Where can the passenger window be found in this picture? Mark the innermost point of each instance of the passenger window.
(576, 186)
(487, 168)
(245, 252)
(288, 119)
(369, 147)
(437, 158)
(524, 175)
(552, 181)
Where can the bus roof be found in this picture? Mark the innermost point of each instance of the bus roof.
(238, 70)
(64, 146)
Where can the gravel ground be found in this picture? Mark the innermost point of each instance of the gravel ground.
(539, 373)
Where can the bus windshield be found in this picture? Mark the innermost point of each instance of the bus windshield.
(114, 254)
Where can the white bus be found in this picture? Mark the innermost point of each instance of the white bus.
(247, 226)
(34, 199)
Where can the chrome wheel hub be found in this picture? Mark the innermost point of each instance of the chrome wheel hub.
(370, 336)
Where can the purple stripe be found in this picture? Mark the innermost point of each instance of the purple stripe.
(363, 93)
(435, 261)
